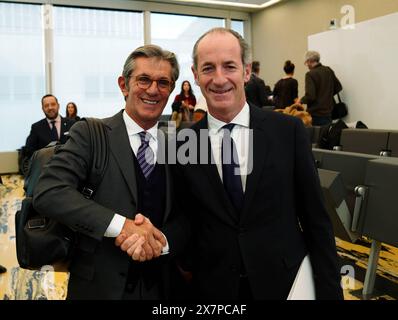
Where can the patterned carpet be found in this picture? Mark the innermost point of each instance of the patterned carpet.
(22, 284)
(18, 283)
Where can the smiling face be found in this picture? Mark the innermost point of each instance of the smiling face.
(221, 74)
(145, 106)
(50, 107)
(71, 109)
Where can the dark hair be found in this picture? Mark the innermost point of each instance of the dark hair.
(289, 67)
(256, 66)
(74, 114)
(46, 96)
(190, 92)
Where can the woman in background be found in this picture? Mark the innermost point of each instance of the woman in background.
(187, 101)
(71, 111)
(286, 89)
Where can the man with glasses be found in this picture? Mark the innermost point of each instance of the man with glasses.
(134, 199)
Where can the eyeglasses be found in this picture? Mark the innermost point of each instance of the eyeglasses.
(146, 82)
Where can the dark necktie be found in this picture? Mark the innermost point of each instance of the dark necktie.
(145, 155)
(230, 169)
(54, 133)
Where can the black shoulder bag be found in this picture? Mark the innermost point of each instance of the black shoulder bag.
(43, 241)
(339, 109)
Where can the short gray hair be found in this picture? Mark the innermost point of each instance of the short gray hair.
(244, 46)
(312, 56)
(151, 51)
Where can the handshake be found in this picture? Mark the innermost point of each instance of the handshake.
(141, 239)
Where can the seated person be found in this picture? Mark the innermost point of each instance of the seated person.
(186, 101)
(52, 128)
(71, 111)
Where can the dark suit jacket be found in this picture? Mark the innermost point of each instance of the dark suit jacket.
(40, 134)
(283, 217)
(98, 269)
(321, 84)
(257, 92)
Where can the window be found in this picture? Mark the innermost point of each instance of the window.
(87, 49)
(21, 72)
(238, 26)
(90, 48)
(179, 37)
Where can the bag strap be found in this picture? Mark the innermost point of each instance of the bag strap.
(99, 153)
(338, 97)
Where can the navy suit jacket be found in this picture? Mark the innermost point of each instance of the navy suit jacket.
(283, 217)
(40, 134)
(257, 92)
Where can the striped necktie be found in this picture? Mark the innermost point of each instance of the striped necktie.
(145, 155)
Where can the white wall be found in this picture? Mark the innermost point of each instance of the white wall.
(281, 32)
(365, 61)
(8, 162)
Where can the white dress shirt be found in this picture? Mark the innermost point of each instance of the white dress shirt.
(133, 130)
(241, 137)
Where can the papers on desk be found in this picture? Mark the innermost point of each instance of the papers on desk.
(303, 287)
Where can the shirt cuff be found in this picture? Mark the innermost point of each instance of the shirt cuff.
(115, 227)
(165, 249)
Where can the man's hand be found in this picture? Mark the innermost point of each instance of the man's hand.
(135, 249)
(140, 239)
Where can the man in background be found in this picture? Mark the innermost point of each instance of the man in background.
(256, 91)
(321, 84)
(52, 128)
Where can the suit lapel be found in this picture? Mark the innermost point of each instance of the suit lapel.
(120, 148)
(45, 127)
(258, 156)
(63, 127)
